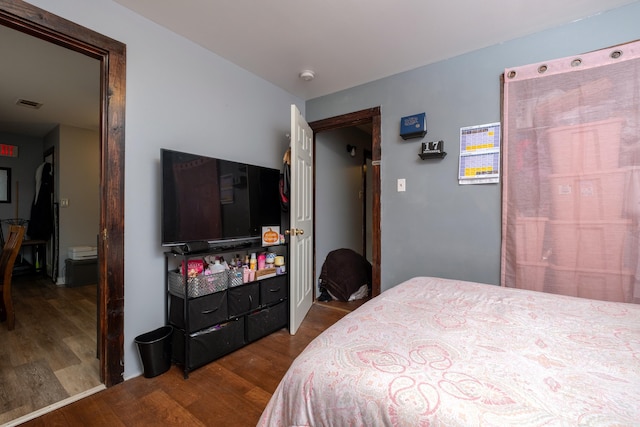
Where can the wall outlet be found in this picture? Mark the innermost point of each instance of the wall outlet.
(402, 184)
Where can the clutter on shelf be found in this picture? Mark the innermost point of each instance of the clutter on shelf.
(236, 271)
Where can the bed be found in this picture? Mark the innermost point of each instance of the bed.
(434, 351)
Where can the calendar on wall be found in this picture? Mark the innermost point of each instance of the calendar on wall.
(479, 154)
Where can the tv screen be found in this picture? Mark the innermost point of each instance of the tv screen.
(215, 200)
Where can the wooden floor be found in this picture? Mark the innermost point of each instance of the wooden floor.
(51, 353)
(231, 391)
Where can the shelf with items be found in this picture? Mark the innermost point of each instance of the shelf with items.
(425, 156)
(215, 313)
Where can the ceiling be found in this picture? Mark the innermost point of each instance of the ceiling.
(65, 82)
(350, 42)
(345, 42)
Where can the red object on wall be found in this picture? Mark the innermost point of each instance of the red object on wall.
(8, 150)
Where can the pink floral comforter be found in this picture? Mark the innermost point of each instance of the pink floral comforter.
(443, 352)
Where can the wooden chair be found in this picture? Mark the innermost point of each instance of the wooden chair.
(7, 258)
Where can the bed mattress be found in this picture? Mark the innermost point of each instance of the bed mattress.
(434, 351)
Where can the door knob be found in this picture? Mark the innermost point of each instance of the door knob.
(294, 231)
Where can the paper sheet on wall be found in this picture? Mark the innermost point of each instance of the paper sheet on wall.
(479, 154)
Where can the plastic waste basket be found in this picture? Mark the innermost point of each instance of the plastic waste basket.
(155, 351)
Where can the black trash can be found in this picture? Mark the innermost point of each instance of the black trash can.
(155, 351)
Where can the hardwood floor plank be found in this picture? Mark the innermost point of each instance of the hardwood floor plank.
(37, 375)
(259, 397)
(82, 307)
(36, 312)
(220, 409)
(154, 409)
(59, 355)
(23, 348)
(11, 394)
(80, 377)
(15, 413)
(82, 345)
(90, 413)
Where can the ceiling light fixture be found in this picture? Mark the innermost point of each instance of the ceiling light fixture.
(307, 75)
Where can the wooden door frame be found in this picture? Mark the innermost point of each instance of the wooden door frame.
(39, 23)
(363, 190)
(372, 116)
(54, 238)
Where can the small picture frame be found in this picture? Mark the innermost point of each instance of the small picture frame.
(270, 235)
(5, 185)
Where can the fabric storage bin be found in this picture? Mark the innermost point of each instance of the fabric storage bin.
(586, 147)
(604, 285)
(203, 312)
(530, 235)
(199, 285)
(273, 289)
(590, 196)
(80, 272)
(594, 244)
(243, 299)
(209, 344)
(266, 321)
(531, 275)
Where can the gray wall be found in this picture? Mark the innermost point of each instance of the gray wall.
(437, 227)
(78, 175)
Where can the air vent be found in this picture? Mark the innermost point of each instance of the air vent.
(28, 104)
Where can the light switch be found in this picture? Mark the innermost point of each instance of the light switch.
(64, 203)
(402, 184)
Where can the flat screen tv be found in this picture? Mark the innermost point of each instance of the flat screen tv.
(222, 202)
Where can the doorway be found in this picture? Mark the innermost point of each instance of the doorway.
(370, 117)
(39, 23)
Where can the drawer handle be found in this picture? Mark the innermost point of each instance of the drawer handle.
(209, 311)
(274, 290)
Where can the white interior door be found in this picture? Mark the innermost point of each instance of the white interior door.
(301, 221)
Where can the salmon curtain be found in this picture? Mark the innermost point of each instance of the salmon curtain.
(571, 176)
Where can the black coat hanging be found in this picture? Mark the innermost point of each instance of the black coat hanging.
(285, 181)
(41, 220)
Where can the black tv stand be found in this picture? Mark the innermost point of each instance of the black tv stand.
(210, 322)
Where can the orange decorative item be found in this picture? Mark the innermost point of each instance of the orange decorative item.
(269, 236)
